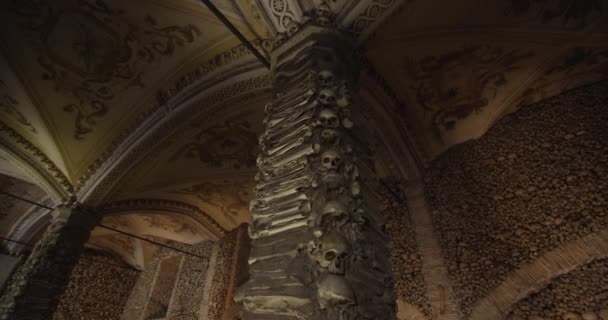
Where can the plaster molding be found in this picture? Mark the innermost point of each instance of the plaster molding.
(170, 206)
(538, 274)
(31, 224)
(205, 97)
(34, 163)
(278, 14)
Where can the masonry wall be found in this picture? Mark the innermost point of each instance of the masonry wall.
(537, 180)
(98, 289)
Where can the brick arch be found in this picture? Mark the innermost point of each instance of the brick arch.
(537, 274)
(406, 311)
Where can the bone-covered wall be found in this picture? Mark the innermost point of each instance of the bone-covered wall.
(98, 289)
(536, 181)
(405, 256)
(202, 286)
(575, 295)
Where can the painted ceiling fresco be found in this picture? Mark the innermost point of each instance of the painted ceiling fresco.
(459, 72)
(209, 164)
(89, 68)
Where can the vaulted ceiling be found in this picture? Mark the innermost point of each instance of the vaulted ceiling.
(155, 106)
(459, 66)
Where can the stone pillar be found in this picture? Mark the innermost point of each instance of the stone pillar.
(37, 285)
(319, 249)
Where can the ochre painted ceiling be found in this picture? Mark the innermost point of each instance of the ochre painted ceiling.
(461, 65)
(76, 75)
(209, 163)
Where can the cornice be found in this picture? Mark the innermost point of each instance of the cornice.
(52, 179)
(166, 206)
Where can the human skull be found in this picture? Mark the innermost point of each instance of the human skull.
(331, 160)
(589, 316)
(334, 208)
(292, 28)
(329, 135)
(326, 79)
(280, 39)
(323, 14)
(328, 118)
(345, 95)
(327, 97)
(333, 289)
(571, 316)
(333, 249)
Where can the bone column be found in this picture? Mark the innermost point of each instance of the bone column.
(37, 285)
(319, 250)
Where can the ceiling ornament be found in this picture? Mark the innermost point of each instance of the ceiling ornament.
(37, 161)
(163, 96)
(454, 85)
(280, 13)
(10, 107)
(167, 223)
(175, 207)
(374, 11)
(135, 149)
(232, 144)
(229, 196)
(572, 13)
(578, 66)
(107, 54)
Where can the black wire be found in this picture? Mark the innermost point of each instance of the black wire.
(81, 257)
(152, 241)
(26, 200)
(110, 228)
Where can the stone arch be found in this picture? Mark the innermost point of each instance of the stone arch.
(206, 97)
(406, 311)
(536, 275)
(170, 207)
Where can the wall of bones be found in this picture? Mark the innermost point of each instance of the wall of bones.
(96, 291)
(537, 181)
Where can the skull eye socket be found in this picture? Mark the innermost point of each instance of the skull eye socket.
(329, 255)
(326, 160)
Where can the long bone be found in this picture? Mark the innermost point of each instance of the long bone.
(288, 202)
(297, 107)
(287, 179)
(266, 173)
(271, 231)
(272, 211)
(297, 164)
(300, 100)
(303, 92)
(269, 214)
(296, 115)
(280, 160)
(304, 131)
(295, 143)
(281, 196)
(303, 121)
